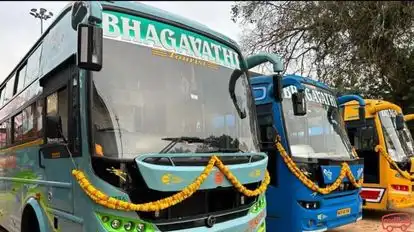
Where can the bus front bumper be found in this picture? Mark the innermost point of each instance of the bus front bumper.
(249, 223)
(252, 222)
(332, 216)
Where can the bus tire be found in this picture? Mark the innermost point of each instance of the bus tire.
(29, 220)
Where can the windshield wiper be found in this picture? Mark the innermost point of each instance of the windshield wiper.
(225, 150)
(175, 140)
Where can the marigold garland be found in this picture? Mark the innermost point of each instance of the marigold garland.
(110, 202)
(345, 171)
(382, 151)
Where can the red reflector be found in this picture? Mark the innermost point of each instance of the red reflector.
(370, 194)
(400, 187)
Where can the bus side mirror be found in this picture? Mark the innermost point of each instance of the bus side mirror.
(399, 122)
(299, 103)
(89, 54)
(53, 127)
(277, 87)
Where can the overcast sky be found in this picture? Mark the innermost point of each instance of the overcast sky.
(20, 30)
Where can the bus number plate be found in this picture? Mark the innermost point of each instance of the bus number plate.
(343, 212)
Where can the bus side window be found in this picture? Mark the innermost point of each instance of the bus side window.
(3, 135)
(57, 104)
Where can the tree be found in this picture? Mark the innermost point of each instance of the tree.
(359, 47)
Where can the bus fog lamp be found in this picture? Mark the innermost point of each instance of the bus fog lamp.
(116, 224)
(311, 223)
(342, 187)
(157, 213)
(129, 226)
(309, 204)
(242, 200)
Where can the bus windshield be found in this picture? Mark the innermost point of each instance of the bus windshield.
(321, 132)
(143, 96)
(398, 145)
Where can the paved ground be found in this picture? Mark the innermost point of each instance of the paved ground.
(371, 222)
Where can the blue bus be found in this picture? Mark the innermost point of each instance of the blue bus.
(307, 121)
(124, 117)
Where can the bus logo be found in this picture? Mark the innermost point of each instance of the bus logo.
(171, 179)
(218, 178)
(210, 221)
(396, 220)
(327, 173)
(256, 173)
(360, 170)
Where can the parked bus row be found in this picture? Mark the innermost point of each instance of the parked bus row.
(124, 117)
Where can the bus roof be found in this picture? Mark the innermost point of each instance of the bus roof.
(302, 79)
(374, 105)
(135, 7)
(371, 102)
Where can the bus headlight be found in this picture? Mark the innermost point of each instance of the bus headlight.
(112, 223)
(141, 227)
(116, 224)
(128, 226)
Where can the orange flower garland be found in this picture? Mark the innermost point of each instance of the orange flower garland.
(382, 151)
(110, 202)
(345, 171)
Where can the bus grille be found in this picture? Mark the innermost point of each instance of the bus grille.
(222, 203)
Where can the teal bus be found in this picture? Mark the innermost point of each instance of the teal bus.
(124, 117)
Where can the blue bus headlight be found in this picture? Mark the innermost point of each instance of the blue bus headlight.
(310, 204)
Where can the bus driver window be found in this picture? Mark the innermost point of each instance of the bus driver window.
(57, 104)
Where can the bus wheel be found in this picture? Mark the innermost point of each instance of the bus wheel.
(29, 220)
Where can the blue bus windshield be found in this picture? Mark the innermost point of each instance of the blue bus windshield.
(321, 132)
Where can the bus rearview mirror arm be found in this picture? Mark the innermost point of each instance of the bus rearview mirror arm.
(361, 111)
(277, 63)
(81, 9)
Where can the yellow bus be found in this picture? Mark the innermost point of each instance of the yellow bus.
(387, 151)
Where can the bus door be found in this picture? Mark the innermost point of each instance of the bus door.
(60, 137)
(365, 139)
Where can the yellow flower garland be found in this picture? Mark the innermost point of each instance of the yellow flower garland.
(345, 171)
(110, 202)
(382, 151)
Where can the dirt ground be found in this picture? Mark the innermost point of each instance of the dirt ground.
(371, 222)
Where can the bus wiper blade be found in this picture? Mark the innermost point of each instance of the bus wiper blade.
(224, 150)
(185, 139)
(175, 140)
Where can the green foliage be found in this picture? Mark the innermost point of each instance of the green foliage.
(362, 47)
